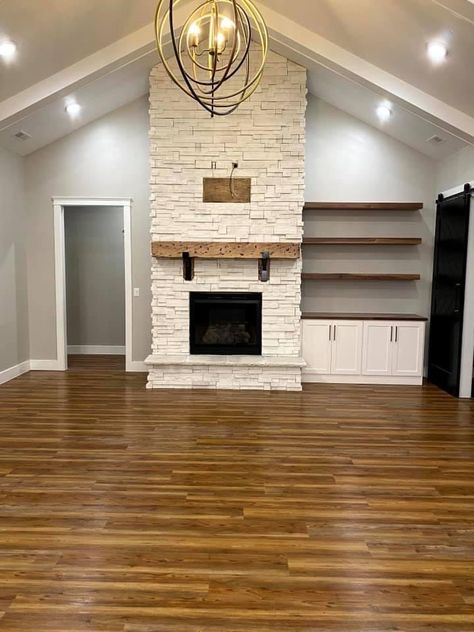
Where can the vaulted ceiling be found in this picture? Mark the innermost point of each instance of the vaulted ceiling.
(54, 34)
(356, 51)
(392, 35)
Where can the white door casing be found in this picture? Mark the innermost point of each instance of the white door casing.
(60, 364)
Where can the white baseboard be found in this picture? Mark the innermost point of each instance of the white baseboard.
(54, 365)
(137, 367)
(309, 376)
(45, 365)
(14, 371)
(95, 350)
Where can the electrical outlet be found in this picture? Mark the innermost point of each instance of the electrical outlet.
(213, 165)
(235, 165)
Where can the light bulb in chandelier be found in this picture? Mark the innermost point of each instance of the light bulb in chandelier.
(219, 53)
(227, 24)
(220, 43)
(194, 33)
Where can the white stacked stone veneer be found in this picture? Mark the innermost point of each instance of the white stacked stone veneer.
(266, 137)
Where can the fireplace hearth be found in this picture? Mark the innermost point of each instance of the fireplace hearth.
(225, 323)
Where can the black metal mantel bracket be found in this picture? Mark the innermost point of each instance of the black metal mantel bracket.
(264, 267)
(188, 267)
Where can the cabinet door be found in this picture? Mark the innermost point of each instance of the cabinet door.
(317, 345)
(377, 348)
(408, 349)
(346, 353)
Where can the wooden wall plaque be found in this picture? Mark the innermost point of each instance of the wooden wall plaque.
(222, 190)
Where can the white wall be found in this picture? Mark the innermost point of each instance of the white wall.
(455, 170)
(95, 276)
(13, 286)
(107, 158)
(347, 160)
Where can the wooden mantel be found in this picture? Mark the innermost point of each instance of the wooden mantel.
(225, 250)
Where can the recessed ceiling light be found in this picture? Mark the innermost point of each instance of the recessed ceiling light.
(384, 112)
(7, 49)
(73, 109)
(437, 52)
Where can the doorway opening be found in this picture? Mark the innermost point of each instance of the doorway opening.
(93, 283)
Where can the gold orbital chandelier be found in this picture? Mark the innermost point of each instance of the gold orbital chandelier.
(219, 53)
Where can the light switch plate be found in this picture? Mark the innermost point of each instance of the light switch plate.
(136, 291)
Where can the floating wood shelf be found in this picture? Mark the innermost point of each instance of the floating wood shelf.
(362, 241)
(225, 250)
(351, 276)
(363, 206)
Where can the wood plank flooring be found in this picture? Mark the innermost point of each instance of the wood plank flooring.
(96, 362)
(340, 508)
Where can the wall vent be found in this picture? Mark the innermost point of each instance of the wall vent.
(21, 135)
(435, 140)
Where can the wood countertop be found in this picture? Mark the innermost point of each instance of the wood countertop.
(359, 316)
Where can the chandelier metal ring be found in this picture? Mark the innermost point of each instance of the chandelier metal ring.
(219, 52)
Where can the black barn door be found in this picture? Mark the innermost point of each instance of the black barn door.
(449, 279)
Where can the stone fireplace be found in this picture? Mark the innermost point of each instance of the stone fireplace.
(225, 328)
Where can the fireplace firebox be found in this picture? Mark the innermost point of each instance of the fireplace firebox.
(225, 323)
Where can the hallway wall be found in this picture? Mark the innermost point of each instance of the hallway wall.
(95, 279)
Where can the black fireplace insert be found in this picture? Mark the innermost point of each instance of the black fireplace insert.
(225, 323)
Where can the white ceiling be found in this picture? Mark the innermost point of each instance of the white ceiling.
(69, 48)
(392, 35)
(54, 34)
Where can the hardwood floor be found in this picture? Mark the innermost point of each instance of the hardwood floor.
(96, 362)
(340, 508)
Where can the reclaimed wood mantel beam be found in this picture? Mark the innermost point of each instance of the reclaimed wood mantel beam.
(225, 250)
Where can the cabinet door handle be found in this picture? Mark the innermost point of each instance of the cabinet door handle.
(334, 335)
(396, 334)
(329, 332)
(391, 334)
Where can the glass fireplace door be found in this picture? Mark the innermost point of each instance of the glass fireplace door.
(225, 323)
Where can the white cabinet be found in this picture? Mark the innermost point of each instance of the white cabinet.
(363, 351)
(317, 343)
(332, 347)
(393, 348)
(408, 349)
(346, 347)
(377, 350)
